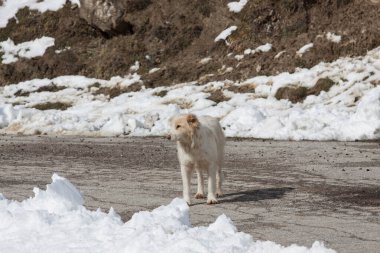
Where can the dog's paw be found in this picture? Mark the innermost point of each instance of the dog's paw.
(188, 201)
(199, 196)
(212, 201)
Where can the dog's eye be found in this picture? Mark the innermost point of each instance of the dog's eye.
(178, 126)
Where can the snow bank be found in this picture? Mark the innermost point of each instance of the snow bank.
(237, 6)
(55, 220)
(349, 111)
(10, 8)
(7, 115)
(27, 49)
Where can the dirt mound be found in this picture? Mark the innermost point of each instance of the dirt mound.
(175, 36)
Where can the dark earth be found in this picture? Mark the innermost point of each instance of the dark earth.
(176, 35)
(287, 192)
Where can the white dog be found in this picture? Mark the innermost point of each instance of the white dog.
(200, 143)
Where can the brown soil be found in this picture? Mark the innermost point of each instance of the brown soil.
(177, 35)
(116, 91)
(52, 106)
(298, 94)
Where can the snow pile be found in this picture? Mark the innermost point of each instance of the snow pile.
(29, 49)
(55, 220)
(237, 6)
(10, 8)
(224, 34)
(7, 115)
(350, 110)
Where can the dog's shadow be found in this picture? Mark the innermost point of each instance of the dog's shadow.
(255, 195)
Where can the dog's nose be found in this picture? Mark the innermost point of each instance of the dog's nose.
(169, 137)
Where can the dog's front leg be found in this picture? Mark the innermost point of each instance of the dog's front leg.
(211, 198)
(201, 186)
(186, 176)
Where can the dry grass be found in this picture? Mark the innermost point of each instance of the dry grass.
(247, 88)
(161, 93)
(52, 106)
(217, 96)
(47, 88)
(182, 103)
(117, 91)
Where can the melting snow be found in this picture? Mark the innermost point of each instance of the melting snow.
(10, 8)
(55, 220)
(29, 49)
(333, 37)
(350, 110)
(304, 49)
(224, 34)
(237, 6)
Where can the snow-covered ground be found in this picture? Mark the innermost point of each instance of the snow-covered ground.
(350, 110)
(55, 220)
(10, 8)
(28, 49)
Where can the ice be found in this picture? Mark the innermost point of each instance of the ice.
(55, 220)
(29, 49)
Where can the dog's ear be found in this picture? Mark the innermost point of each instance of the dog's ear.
(192, 120)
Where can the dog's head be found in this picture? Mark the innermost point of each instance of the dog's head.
(183, 128)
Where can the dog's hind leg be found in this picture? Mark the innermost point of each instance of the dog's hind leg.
(219, 181)
(186, 176)
(201, 186)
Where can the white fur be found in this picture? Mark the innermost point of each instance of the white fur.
(200, 144)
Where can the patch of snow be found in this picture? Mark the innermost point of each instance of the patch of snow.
(224, 34)
(279, 54)
(8, 114)
(237, 6)
(247, 51)
(304, 49)
(205, 60)
(55, 220)
(333, 37)
(239, 57)
(10, 8)
(153, 70)
(135, 67)
(264, 48)
(62, 50)
(29, 49)
(350, 110)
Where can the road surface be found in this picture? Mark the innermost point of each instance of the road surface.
(287, 192)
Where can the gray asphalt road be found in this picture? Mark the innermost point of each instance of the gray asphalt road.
(287, 192)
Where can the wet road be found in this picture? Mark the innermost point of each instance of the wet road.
(287, 192)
